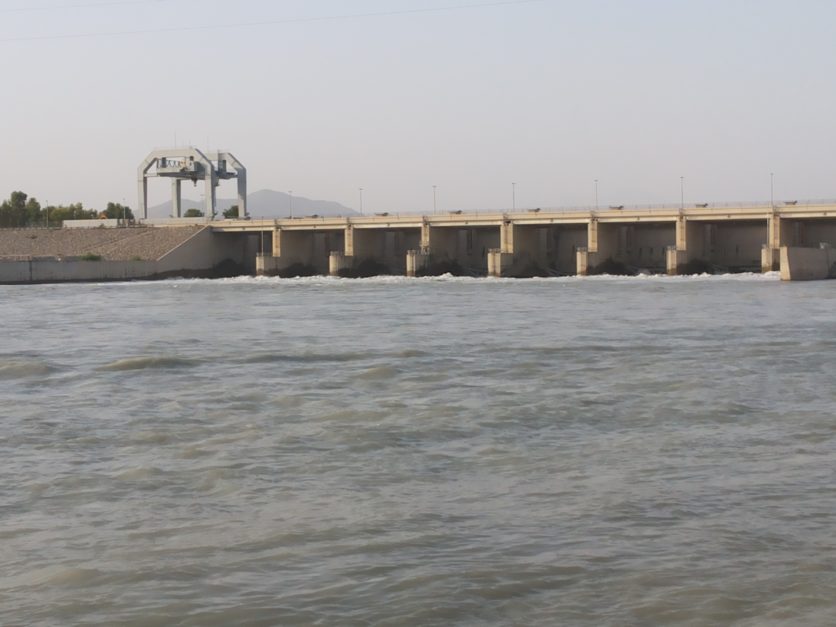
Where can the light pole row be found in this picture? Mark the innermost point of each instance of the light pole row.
(682, 191)
(514, 195)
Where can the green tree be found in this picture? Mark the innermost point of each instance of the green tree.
(193, 213)
(14, 211)
(76, 211)
(117, 211)
(32, 211)
(232, 212)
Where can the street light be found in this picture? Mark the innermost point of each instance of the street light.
(596, 194)
(513, 196)
(435, 207)
(290, 194)
(361, 201)
(682, 192)
(772, 190)
(47, 214)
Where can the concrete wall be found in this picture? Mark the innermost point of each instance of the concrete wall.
(537, 248)
(637, 245)
(173, 221)
(646, 245)
(54, 271)
(386, 246)
(811, 233)
(465, 245)
(309, 248)
(568, 239)
(200, 253)
(604, 240)
(91, 224)
(737, 245)
(807, 264)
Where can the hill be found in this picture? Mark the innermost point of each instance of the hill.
(266, 203)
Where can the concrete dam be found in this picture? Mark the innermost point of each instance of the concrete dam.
(702, 238)
(794, 238)
(797, 239)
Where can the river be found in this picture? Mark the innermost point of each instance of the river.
(599, 451)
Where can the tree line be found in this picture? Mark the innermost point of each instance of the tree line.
(21, 211)
(232, 212)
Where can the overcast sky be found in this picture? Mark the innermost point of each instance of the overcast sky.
(549, 94)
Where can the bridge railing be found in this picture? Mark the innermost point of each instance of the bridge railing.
(452, 214)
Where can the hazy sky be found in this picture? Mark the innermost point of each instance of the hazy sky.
(549, 94)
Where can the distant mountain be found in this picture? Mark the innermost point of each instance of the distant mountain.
(266, 203)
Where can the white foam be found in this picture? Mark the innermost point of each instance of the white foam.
(448, 278)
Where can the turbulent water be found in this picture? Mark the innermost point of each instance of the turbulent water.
(419, 452)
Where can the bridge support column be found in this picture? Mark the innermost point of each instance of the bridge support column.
(582, 261)
(499, 263)
(687, 248)
(348, 237)
(602, 244)
(176, 197)
(779, 233)
(264, 265)
(500, 260)
(416, 262)
(522, 251)
(337, 262)
(587, 256)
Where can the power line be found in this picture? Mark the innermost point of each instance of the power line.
(292, 20)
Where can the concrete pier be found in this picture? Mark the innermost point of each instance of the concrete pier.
(808, 264)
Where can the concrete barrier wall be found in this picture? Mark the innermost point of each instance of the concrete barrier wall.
(200, 253)
(203, 251)
(15, 272)
(91, 224)
(807, 264)
(172, 221)
(54, 271)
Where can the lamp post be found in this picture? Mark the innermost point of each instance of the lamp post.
(772, 190)
(435, 206)
(361, 200)
(47, 214)
(513, 196)
(682, 192)
(596, 194)
(290, 194)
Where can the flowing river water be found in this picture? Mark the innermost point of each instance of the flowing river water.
(596, 451)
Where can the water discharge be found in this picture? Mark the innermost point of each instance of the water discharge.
(436, 451)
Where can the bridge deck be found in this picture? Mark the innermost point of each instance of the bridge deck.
(544, 217)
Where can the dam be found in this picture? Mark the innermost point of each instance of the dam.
(538, 242)
(794, 237)
(797, 239)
